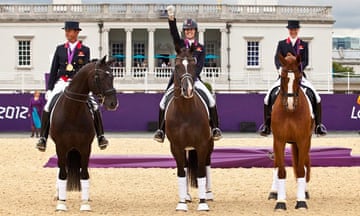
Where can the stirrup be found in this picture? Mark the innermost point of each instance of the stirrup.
(320, 130)
(159, 136)
(103, 142)
(41, 144)
(216, 134)
(264, 130)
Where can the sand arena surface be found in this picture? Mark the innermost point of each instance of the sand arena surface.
(26, 188)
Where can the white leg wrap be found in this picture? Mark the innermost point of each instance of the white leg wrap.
(281, 190)
(182, 184)
(301, 187)
(202, 187)
(208, 178)
(85, 184)
(275, 180)
(62, 189)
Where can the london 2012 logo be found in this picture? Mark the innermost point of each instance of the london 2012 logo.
(355, 112)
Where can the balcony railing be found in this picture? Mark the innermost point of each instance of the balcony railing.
(155, 11)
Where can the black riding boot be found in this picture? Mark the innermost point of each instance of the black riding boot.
(99, 129)
(320, 129)
(265, 128)
(44, 131)
(214, 123)
(160, 133)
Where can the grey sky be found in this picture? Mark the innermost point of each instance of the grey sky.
(346, 12)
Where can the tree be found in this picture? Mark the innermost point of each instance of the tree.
(341, 71)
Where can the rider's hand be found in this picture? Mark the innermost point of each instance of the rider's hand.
(47, 94)
(279, 71)
(171, 11)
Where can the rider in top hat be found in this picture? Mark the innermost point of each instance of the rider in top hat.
(190, 29)
(295, 46)
(67, 61)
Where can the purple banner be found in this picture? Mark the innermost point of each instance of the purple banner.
(340, 112)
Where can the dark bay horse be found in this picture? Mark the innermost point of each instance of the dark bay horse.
(188, 130)
(292, 123)
(72, 128)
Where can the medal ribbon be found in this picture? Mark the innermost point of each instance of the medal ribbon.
(70, 55)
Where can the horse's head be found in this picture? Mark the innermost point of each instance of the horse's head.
(101, 84)
(290, 80)
(185, 74)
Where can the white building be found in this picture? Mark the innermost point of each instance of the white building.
(240, 41)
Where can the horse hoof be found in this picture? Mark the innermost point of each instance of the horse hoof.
(182, 207)
(272, 196)
(85, 206)
(307, 195)
(188, 198)
(301, 205)
(209, 196)
(203, 207)
(61, 206)
(280, 206)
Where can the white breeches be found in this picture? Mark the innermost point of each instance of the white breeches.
(304, 82)
(199, 85)
(59, 87)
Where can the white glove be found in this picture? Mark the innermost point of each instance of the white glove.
(47, 94)
(279, 71)
(170, 10)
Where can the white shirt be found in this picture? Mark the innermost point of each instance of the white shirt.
(72, 45)
(293, 40)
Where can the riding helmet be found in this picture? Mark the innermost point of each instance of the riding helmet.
(190, 24)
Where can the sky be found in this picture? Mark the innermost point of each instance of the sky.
(345, 12)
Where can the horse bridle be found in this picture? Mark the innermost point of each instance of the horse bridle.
(102, 93)
(186, 75)
(295, 94)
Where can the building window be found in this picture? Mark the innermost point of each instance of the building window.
(253, 53)
(24, 51)
(211, 57)
(117, 52)
(139, 53)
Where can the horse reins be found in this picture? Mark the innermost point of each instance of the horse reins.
(69, 95)
(102, 94)
(187, 75)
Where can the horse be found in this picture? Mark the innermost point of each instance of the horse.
(291, 123)
(72, 128)
(188, 130)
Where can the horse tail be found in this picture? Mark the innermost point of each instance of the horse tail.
(73, 165)
(192, 165)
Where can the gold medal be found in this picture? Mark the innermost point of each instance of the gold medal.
(69, 67)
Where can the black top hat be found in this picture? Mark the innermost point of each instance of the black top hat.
(72, 25)
(293, 24)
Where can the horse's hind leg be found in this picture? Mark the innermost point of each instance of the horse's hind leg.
(85, 184)
(202, 156)
(209, 194)
(61, 183)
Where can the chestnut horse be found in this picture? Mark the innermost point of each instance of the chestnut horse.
(188, 130)
(292, 123)
(72, 128)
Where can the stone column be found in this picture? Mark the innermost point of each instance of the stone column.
(151, 51)
(201, 35)
(128, 53)
(223, 49)
(105, 44)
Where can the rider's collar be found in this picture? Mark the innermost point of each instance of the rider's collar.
(292, 40)
(188, 43)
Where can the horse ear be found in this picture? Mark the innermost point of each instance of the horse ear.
(281, 59)
(298, 59)
(103, 60)
(177, 49)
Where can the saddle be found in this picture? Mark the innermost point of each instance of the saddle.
(308, 94)
(201, 94)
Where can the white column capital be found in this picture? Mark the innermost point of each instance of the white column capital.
(223, 30)
(128, 29)
(201, 29)
(151, 29)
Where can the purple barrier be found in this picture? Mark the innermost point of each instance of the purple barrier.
(340, 112)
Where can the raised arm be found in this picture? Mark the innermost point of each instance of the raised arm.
(172, 25)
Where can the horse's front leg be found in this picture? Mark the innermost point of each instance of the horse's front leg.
(300, 173)
(182, 181)
(279, 148)
(61, 183)
(85, 184)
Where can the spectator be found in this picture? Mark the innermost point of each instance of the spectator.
(35, 110)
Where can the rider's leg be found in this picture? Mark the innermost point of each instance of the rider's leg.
(160, 132)
(214, 119)
(265, 128)
(98, 124)
(45, 118)
(320, 129)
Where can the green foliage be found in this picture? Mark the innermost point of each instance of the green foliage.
(342, 71)
(208, 86)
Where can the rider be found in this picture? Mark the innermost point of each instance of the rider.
(67, 61)
(190, 29)
(295, 46)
